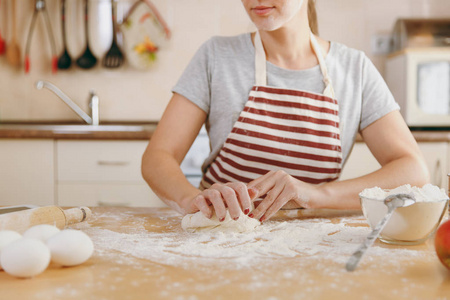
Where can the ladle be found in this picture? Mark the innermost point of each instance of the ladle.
(64, 61)
(392, 202)
(87, 60)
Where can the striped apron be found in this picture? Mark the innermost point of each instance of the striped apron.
(281, 129)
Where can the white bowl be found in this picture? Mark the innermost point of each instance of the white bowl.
(409, 225)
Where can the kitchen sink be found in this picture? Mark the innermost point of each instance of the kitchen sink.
(76, 127)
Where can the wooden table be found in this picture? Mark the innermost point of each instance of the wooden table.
(121, 268)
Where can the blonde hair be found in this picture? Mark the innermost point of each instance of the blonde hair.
(312, 17)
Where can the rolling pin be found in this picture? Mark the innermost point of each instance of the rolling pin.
(20, 221)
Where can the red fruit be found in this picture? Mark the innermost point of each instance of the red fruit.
(442, 243)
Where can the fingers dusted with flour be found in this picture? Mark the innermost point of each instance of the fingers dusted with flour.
(243, 196)
(279, 188)
(202, 205)
(232, 196)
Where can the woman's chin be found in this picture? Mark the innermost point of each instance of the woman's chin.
(267, 24)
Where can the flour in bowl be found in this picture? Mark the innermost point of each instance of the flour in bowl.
(413, 224)
(428, 193)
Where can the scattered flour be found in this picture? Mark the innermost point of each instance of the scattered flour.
(312, 238)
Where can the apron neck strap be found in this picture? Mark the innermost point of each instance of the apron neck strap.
(261, 71)
(260, 62)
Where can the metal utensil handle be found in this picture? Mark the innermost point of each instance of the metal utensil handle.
(357, 255)
(86, 21)
(63, 21)
(114, 20)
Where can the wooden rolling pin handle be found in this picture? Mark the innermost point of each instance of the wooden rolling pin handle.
(76, 215)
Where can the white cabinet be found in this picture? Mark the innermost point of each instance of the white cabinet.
(362, 162)
(435, 154)
(73, 173)
(108, 173)
(102, 173)
(26, 172)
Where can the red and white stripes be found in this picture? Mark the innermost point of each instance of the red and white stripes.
(295, 131)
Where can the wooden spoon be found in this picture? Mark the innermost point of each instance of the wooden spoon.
(13, 50)
(2, 45)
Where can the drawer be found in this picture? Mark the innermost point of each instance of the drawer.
(107, 194)
(27, 172)
(99, 160)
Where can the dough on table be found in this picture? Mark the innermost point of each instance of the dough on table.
(198, 222)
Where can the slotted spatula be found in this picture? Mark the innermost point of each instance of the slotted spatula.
(114, 56)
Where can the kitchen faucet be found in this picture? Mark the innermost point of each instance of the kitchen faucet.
(93, 102)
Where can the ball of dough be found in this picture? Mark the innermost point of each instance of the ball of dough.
(70, 247)
(198, 222)
(7, 237)
(25, 257)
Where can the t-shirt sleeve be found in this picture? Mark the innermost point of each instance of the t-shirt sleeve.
(194, 83)
(377, 99)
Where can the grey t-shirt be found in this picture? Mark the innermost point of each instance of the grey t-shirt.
(221, 74)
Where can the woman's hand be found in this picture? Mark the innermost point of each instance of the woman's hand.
(280, 188)
(233, 196)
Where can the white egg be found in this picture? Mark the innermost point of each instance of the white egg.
(7, 237)
(25, 257)
(41, 232)
(70, 247)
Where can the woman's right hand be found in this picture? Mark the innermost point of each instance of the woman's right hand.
(233, 196)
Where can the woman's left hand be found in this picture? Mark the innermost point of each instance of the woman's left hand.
(280, 188)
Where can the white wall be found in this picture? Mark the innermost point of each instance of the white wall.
(131, 95)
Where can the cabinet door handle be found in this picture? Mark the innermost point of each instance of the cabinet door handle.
(108, 204)
(437, 176)
(112, 163)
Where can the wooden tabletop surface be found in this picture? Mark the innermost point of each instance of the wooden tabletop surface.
(142, 253)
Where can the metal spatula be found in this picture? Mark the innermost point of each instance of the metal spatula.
(392, 202)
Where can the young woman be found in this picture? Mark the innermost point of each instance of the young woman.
(282, 108)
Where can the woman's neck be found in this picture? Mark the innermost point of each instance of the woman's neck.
(290, 47)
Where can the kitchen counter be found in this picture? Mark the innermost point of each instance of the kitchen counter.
(142, 253)
(116, 131)
(129, 131)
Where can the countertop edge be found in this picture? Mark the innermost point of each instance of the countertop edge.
(8, 133)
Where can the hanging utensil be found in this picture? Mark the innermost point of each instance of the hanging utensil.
(87, 60)
(2, 45)
(13, 50)
(114, 56)
(392, 202)
(64, 61)
(40, 7)
(145, 32)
